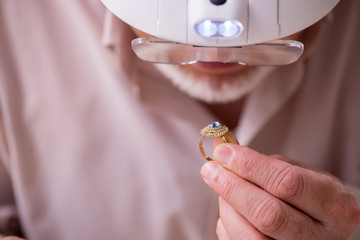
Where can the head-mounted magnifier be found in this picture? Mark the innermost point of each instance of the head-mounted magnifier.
(229, 31)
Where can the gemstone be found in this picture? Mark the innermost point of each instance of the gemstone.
(214, 125)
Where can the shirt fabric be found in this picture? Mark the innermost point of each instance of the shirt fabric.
(96, 144)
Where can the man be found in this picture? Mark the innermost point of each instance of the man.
(96, 144)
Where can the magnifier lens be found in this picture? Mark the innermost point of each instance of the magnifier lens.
(273, 53)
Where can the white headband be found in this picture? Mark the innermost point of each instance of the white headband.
(220, 22)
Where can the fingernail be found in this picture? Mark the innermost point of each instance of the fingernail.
(223, 154)
(209, 170)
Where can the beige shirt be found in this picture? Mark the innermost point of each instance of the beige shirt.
(95, 144)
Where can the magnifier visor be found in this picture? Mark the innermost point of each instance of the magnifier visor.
(273, 53)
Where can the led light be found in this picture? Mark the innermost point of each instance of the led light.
(230, 28)
(225, 29)
(207, 28)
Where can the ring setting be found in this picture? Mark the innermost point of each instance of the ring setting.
(214, 129)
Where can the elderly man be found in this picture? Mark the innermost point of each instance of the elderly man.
(97, 144)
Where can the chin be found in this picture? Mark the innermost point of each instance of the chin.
(222, 83)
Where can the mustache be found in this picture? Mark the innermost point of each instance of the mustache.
(211, 88)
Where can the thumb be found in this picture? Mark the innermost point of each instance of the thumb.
(230, 138)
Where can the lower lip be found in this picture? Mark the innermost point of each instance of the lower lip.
(216, 65)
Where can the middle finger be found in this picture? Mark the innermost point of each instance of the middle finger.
(268, 214)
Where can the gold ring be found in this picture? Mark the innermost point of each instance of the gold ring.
(215, 129)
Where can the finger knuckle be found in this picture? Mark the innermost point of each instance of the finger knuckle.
(245, 162)
(356, 213)
(270, 217)
(344, 207)
(229, 188)
(290, 185)
(351, 213)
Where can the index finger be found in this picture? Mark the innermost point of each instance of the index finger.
(311, 192)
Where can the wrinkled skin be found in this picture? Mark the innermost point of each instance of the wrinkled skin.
(270, 197)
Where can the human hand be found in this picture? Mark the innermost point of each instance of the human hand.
(262, 197)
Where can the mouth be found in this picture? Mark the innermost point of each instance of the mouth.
(216, 65)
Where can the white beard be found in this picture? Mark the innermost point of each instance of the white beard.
(214, 89)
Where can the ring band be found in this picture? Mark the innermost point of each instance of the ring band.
(215, 129)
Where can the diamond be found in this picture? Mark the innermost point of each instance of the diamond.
(214, 125)
(214, 129)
